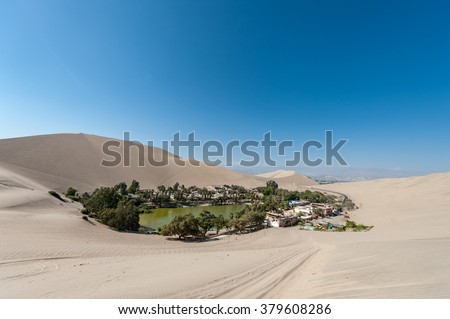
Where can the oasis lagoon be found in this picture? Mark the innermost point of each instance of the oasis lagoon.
(163, 216)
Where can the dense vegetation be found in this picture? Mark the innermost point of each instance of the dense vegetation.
(124, 217)
(188, 225)
(119, 206)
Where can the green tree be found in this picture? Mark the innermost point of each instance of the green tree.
(206, 222)
(162, 189)
(121, 188)
(134, 187)
(239, 220)
(221, 222)
(181, 226)
(256, 219)
(124, 217)
(270, 189)
(239, 223)
(103, 198)
(85, 197)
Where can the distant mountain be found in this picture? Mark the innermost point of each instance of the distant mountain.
(358, 175)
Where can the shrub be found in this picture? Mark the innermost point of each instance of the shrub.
(85, 218)
(356, 227)
(85, 197)
(74, 198)
(71, 192)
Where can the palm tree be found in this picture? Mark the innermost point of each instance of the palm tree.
(162, 189)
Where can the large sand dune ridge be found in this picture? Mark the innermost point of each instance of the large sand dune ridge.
(62, 160)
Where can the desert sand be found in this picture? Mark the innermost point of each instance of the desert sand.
(62, 160)
(48, 251)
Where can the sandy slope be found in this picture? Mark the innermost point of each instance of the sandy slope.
(404, 256)
(48, 251)
(62, 160)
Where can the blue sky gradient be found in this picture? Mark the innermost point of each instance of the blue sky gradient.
(375, 73)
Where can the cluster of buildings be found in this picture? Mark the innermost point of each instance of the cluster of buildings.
(311, 215)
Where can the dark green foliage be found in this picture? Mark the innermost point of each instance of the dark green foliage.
(239, 223)
(134, 187)
(85, 218)
(85, 197)
(56, 195)
(270, 189)
(146, 195)
(103, 198)
(181, 226)
(137, 201)
(220, 223)
(71, 192)
(121, 188)
(74, 198)
(248, 218)
(124, 217)
(206, 222)
(292, 196)
(120, 206)
(317, 197)
(256, 219)
(113, 207)
(270, 204)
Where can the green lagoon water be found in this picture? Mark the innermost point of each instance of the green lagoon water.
(163, 216)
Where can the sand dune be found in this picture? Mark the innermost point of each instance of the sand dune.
(404, 256)
(289, 179)
(48, 251)
(63, 160)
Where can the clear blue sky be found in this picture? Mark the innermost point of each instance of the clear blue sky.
(376, 73)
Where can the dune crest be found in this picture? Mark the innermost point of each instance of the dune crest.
(291, 178)
(62, 160)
